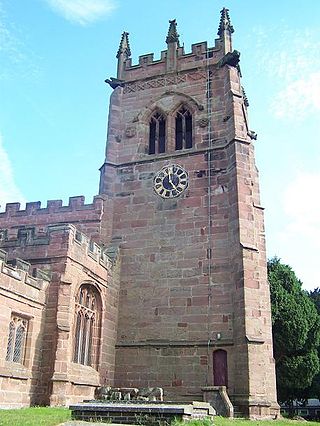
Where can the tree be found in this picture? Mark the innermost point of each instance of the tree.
(296, 333)
(315, 296)
(314, 390)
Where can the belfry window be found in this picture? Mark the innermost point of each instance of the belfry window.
(17, 339)
(87, 326)
(183, 129)
(157, 134)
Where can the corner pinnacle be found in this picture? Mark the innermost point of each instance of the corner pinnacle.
(225, 23)
(124, 45)
(173, 36)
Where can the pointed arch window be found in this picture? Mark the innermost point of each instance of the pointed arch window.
(157, 134)
(183, 129)
(87, 326)
(17, 339)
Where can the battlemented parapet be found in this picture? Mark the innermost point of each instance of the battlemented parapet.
(20, 272)
(173, 59)
(22, 301)
(200, 54)
(30, 243)
(87, 217)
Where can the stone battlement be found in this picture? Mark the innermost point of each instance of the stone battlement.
(198, 50)
(38, 236)
(21, 271)
(86, 217)
(147, 67)
(53, 206)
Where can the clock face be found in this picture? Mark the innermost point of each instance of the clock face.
(170, 181)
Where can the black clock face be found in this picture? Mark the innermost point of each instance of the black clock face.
(171, 181)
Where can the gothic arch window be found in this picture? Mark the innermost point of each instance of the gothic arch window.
(157, 134)
(17, 339)
(87, 326)
(183, 129)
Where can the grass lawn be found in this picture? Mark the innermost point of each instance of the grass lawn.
(221, 421)
(35, 416)
(46, 416)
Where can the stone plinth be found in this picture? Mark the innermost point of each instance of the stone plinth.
(141, 413)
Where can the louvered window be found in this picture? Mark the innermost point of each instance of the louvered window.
(17, 339)
(183, 129)
(157, 134)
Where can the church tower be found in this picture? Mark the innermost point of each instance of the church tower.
(180, 175)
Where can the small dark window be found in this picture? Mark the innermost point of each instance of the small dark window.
(183, 129)
(157, 134)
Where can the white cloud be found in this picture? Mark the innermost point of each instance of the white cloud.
(9, 192)
(299, 240)
(15, 57)
(82, 11)
(299, 98)
(293, 57)
(289, 66)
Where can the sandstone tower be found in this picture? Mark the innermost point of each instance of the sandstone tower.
(161, 280)
(194, 307)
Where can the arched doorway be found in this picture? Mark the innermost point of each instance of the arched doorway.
(220, 368)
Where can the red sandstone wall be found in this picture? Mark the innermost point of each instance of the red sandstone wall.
(23, 295)
(193, 268)
(72, 260)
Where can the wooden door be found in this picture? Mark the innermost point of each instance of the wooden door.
(220, 368)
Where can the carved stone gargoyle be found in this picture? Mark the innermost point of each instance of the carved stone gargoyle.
(114, 82)
(231, 58)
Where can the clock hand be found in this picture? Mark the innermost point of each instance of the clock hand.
(170, 173)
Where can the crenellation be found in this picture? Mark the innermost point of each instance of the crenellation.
(76, 202)
(53, 206)
(33, 236)
(199, 48)
(146, 59)
(12, 208)
(19, 270)
(20, 264)
(33, 206)
(199, 55)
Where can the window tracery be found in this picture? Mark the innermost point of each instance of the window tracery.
(17, 339)
(87, 322)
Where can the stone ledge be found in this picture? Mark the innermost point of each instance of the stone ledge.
(255, 339)
(15, 371)
(177, 344)
(249, 247)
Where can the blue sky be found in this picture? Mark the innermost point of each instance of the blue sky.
(56, 54)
